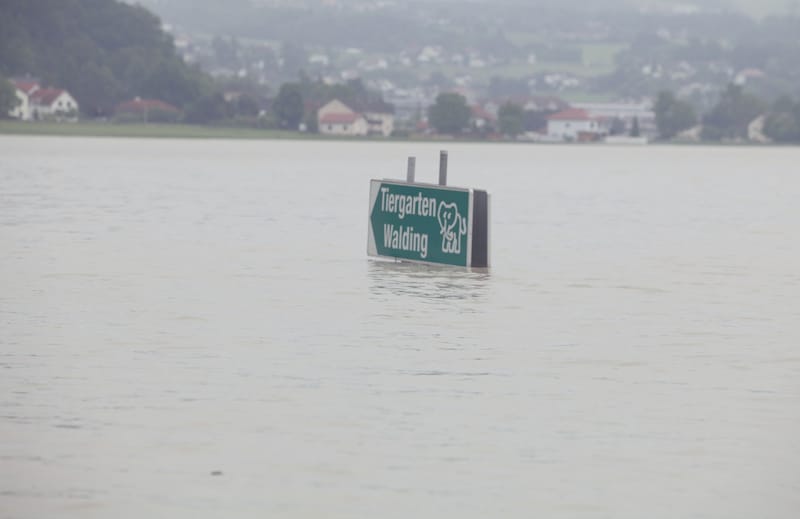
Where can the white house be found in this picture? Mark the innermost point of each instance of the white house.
(42, 103)
(573, 124)
(627, 112)
(53, 103)
(380, 123)
(336, 118)
(755, 130)
(482, 119)
(23, 90)
(343, 124)
(22, 111)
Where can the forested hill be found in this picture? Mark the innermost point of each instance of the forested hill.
(102, 51)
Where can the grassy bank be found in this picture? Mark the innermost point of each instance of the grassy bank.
(187, 131)
(163, 131)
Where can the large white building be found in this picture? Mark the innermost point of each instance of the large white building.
(641, 112)
(573, 124)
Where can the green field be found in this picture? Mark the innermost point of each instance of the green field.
(166, 131)
(596, 59)
(181, 131)
(601, 55)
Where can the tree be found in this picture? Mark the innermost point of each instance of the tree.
(783, 122)
(176, 84)
(8, 97)
(311, 122)
(617, 126)
(354, 93)
(100, 90)
(449, 114)
(673, 115)
(246, 105)
(101, 51)
(208, 108)
(635, 131)
(782, 127)
(731, 116)
(510, 119)
(288, 106)
(536, 121)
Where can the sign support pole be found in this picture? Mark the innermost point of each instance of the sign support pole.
(443, 168)
(412, 165)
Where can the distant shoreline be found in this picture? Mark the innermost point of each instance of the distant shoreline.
(186, 131)
(141, 130)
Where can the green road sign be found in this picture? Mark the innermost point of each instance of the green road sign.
(421, 222)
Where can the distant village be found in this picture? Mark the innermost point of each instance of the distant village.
(563, 122)
(391, 70)
(558, 120)
(549, 94)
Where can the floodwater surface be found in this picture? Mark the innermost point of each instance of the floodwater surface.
(193, 329)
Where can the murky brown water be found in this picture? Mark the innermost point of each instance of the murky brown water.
(173, 308)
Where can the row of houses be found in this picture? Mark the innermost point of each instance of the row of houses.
(336, 118)
(560, 121)
(582, 122)
(564, 122)
(598, 122)
(37, 103)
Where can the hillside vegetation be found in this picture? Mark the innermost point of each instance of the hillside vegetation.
(102, 51)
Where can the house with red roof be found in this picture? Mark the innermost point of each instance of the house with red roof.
(147, 110)
(27, 86)
(53, 103)
(336, 118)
(481, 119)
(42, 103)
(574, 124)
(23, 89)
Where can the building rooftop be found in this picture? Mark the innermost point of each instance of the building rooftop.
(571, 114)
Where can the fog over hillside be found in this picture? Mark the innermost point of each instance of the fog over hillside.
(493, 51)
(751, 7)
(274, 63)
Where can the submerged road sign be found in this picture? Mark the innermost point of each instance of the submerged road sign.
(426, 223)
